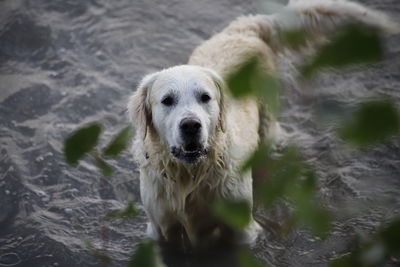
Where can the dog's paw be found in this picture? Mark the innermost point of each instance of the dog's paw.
(250, 233)
(152, 232)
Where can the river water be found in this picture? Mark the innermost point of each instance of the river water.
(68, 62)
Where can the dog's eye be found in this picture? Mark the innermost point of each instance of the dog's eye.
(205, 98)
(168, 101)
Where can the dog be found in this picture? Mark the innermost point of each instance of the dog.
(192, 137)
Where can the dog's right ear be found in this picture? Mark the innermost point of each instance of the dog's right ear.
(139, 107)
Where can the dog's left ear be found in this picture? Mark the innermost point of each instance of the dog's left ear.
(220, 84)
(139, 107)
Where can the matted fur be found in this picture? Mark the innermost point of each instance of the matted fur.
(175, 192)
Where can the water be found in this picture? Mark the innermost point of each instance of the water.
(64, 63)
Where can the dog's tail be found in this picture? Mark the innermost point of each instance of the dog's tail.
(317, 19)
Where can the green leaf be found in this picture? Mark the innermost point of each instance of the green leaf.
(243, 81)
(250, 78)
(314, 216)
(119, 143)
(330, 110)
(373, 122)
(104, 166)
(282, 174)
(294, 39)
(81, 142)
(307, 208)
(258, 158)
(353, 44)
(376, 251)
(287, 176)
(146, 255)
(372, 254)
(129, 211)
(246, 259)
(345, 261)
(235, 213)
(391, 237)
(269, 91)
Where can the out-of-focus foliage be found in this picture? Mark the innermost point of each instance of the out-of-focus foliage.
(246, 259)
(286, 176)
(146, 255)
(83, 141)
(234, 213)
(103, 166)
(294, 39)
(251, 80)
(391, 237)
(376, 251)
(119, 143)
(372, 122)
(353, 44)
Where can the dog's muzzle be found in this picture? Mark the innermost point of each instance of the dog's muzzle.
(189, 156)
(191, 150)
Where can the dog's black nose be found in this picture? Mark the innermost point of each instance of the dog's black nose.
(190, 126)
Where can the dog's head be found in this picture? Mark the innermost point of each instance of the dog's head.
(183, 106)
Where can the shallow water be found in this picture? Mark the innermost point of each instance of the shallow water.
(65, 62)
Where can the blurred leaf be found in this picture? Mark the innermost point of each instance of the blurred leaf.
(259, 157)
(345, 261)
(354, 44)
(308, 209)
(287, 176)
(283, 173)
(251, 79)
(129, 211)
(372, 254)
(80, 142)
(373, 122)
(391, 237)
(119, 143)
(146, 255)
(235, 213)
(246, 259)
(243, 81)
(331, 110)
(314, 216)
(294, 38)
(269, 91)
(376, 251)
(104, 166)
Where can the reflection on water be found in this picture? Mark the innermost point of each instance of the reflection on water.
(64, 63)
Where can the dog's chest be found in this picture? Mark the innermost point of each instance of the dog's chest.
(178, 191)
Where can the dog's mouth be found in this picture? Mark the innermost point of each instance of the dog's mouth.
(189, 153)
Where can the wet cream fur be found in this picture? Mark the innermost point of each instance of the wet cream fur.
(174, 192)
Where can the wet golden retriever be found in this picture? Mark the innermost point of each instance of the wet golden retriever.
(192, 137)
